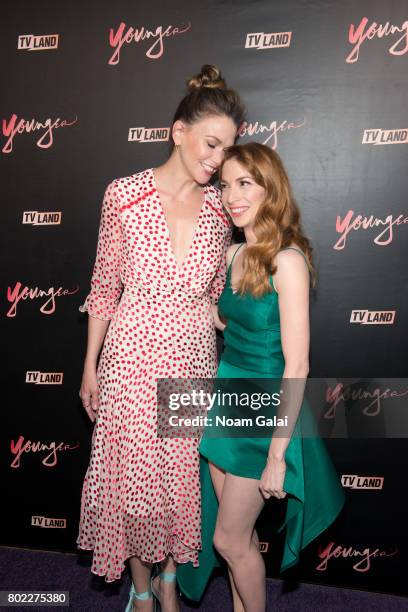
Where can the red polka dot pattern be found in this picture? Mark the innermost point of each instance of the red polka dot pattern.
(141, 494)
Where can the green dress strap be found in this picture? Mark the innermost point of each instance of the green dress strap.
(233, 257)
(299, 251)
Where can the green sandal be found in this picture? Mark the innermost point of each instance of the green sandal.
(140, 596)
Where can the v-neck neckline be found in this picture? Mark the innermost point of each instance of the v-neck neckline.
(178, 266)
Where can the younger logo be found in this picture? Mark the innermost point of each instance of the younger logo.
(373, 317)
(362, 482)
(125, 34)
(357, 35)
(34, 217)
(269, 131)
(52, 449)
(142, 134)
(260, 40)
(359, 222)
(360, 558)
(45, 521)
(44, 378)
(44, 42)
(383, 137)
(14, 126)
(23, 292)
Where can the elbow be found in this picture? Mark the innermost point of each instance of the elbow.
(297, 369)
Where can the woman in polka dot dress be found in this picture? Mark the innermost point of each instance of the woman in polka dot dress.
(159, 269)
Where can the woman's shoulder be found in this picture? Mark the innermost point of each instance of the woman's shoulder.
(127, 189)
(138, 180)
(291, 264)
(293, 252)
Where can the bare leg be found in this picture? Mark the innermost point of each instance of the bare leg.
(141, 579)
(218, 478)
(167, 590)
(240, 505)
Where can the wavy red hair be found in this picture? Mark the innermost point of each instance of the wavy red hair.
(277, 222)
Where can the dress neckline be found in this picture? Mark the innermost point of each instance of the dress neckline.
(235, 291)
(179, 266)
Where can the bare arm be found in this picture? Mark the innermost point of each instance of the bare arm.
(292, 283)
(88, 392)
(97, 329)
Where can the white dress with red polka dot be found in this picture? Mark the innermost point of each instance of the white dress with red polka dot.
(141, 493)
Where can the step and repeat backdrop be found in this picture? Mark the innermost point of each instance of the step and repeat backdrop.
(89, 91)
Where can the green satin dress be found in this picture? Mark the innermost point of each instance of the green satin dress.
(314, 493)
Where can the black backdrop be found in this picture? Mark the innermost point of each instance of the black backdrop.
(326, 102)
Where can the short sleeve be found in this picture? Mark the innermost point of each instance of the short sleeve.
(106, 285)
(218, 282)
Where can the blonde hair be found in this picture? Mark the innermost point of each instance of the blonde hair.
(277, 223)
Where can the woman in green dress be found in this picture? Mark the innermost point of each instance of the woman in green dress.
(265, 304)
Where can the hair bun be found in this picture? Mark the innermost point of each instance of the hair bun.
(210, 76)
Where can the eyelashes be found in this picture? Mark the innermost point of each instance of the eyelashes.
(242, 184)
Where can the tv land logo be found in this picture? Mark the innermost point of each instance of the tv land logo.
(128, 35)
(42, 42)
(23, 292)
(270, 130)
(361, 558)
(44, 378)
(34, 217)
(263, 547)
(274, 40)
(358, 35)
(359, 222)
(142, 134)
(385, 137)
(47, 522)
(14, 126)
(352, 481)
(373, 317)
(50, 450)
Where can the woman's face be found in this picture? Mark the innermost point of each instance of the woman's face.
(241, 195)
(202, 144)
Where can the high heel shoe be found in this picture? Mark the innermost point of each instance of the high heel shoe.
(165, 577)
(133, 594)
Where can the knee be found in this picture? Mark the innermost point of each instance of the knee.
(230, 547)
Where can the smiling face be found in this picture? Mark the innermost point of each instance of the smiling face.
(241, 195)
(201, 145)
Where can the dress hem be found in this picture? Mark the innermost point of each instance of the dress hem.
(179, 560)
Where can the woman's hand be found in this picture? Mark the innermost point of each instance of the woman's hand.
(89, 391)
(273, 478)
(217, 321)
